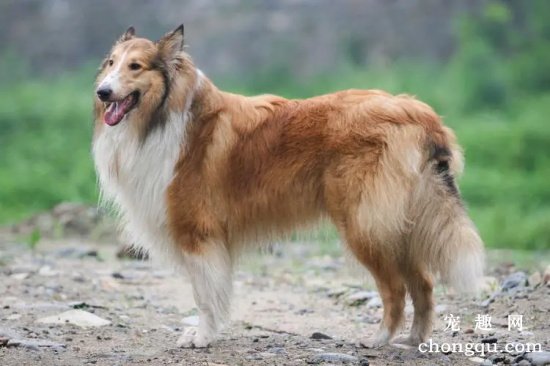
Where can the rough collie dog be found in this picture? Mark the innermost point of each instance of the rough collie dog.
(198, 175)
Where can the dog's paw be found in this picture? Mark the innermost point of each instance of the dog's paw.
(372, 343)
(192, 338)
(407, 340)
(381, 339)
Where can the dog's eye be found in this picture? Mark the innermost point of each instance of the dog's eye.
(135, 66)
(110, 62)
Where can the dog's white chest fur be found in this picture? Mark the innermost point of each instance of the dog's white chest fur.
(134, 176)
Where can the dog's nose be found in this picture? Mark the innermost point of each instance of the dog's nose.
(104, 94)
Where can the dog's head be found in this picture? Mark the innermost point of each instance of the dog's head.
(137, 75)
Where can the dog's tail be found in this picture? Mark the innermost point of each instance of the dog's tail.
(442, 235)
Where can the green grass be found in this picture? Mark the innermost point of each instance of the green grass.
(46, 128)
(45, 134)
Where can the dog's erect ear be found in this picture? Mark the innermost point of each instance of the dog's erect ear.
(171, 43)
(129, 34)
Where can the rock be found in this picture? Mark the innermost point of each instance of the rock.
(535, 279)
(496, 358)
(515, 280)
(360, 297)
(485, 303)
(364, 362)
(33, 344)
(276, 351)
(47, 271)
(489, 340)
(335, 358)
(84, 305)
(118, 275)
(440, 308)
(4, 341)
(77, 317)
(76, 252)
(336, 293)
(524, 363)
(487, 362)
(538, 358)
(263, 355)
(477, 360)
(319, 335)
(469, 331)
(19, 276)
(192, 321)
(375, 302)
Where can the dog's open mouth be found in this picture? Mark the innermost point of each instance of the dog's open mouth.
(117, 110)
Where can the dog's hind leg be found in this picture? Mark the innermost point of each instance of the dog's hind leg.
(210, 272)
(391, 287)
(420, 286)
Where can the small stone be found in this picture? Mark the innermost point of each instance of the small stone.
(13, 317)
(34, 345)
(489, 340)
(19, 276)
(496, 358)
(375, 302)
(440, 308)
(263, 355)
(535, 279)
(77, 317)
(477, 360)
(485, 303)
(191, 321)
(468, 330)
(360, 297)
(336, 293)
(517, 279)
(364, 362)
(538, 358)
(277, 351)
(487, 362)
(117, 275)
(338, 358)
(319, 335)
(524, 363)
(47, 271)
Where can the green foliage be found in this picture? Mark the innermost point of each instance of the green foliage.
(45, 145)
(33, 239)
(495, 93)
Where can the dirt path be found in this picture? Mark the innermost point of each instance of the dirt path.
(281, 300)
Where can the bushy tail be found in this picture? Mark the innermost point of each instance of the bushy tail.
(442, 233)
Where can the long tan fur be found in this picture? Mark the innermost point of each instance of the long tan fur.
(227, 171)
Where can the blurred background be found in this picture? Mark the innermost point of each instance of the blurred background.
(483, 65)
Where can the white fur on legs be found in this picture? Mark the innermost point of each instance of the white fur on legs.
(210, 274)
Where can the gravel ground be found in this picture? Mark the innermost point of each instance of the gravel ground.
(72, 302)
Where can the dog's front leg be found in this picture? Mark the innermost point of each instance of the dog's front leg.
(210, 272)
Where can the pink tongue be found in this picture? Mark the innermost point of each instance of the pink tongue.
(116, 111)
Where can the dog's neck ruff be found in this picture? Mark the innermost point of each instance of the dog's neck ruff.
(134, 175)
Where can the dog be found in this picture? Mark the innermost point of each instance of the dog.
(199, 175)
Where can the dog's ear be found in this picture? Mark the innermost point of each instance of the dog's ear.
(129, 34)
(171, 43)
